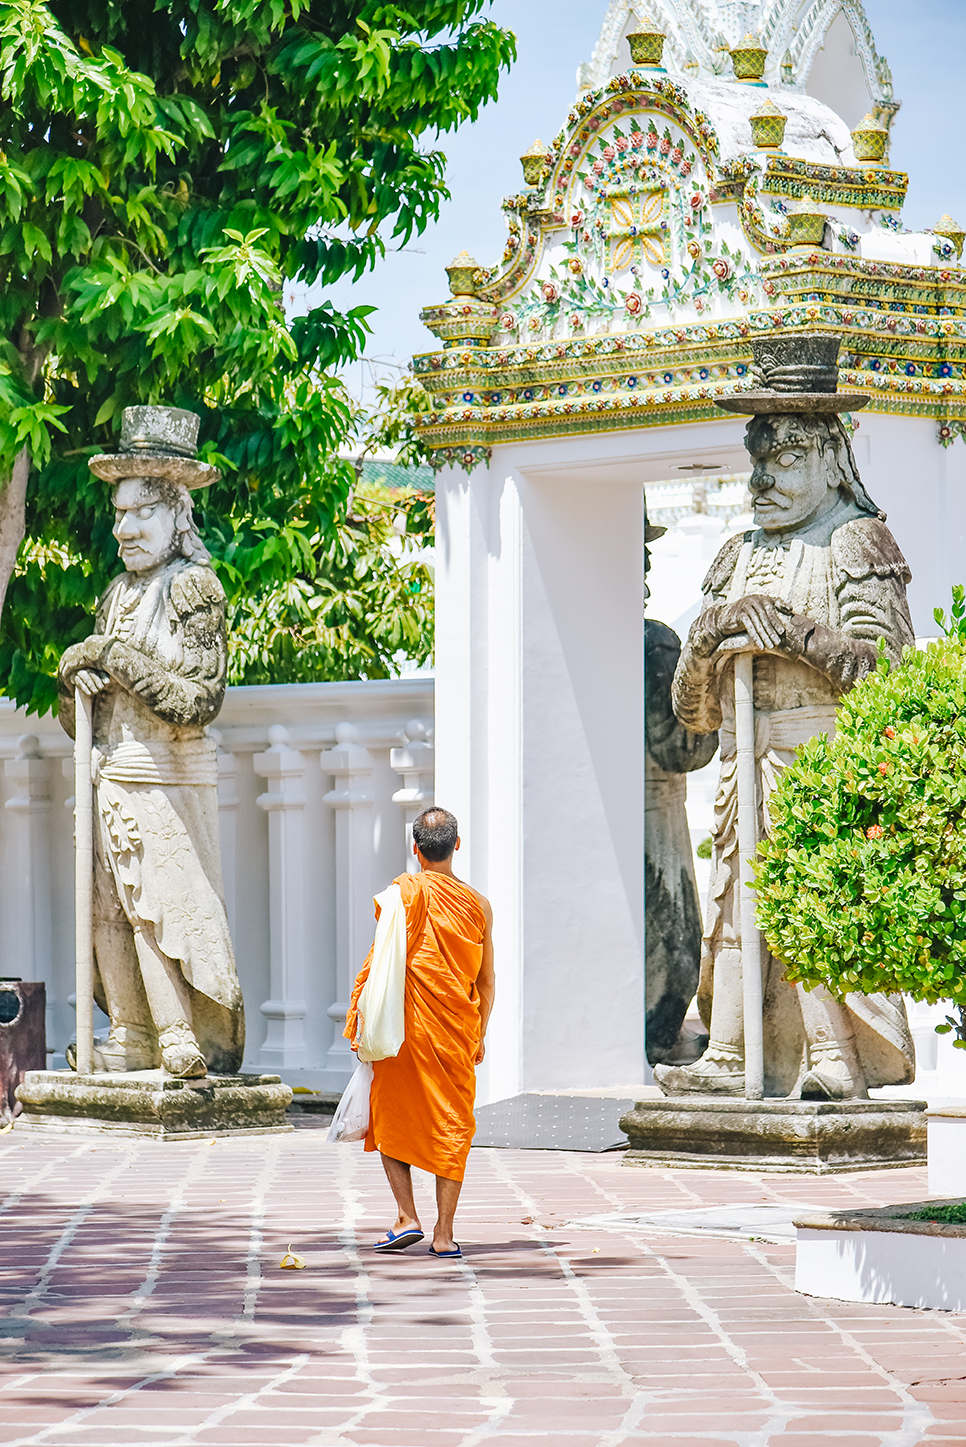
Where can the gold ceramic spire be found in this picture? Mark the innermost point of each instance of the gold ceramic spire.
(748, 58)
(869, 139)
(767, 125)
(952, 231)
(534, 163)
(646, 41)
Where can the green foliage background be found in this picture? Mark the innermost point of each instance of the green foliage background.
(862, 886)
(164, 169)
(367, 606)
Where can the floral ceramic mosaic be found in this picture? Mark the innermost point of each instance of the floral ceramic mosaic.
(638, 268)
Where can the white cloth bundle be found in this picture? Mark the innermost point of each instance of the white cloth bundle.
(381, 1007)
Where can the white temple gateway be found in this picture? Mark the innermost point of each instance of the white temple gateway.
(723, 172)
(666, 225)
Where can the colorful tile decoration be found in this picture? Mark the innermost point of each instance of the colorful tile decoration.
(639, 266)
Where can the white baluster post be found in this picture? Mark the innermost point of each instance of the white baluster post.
(416, 762)
(29, 860)
(284, 1046)
(228, 802)
(352, 798)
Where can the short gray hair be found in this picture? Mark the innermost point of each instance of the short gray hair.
(435, 832)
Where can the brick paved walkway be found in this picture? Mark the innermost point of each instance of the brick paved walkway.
(142, 1304)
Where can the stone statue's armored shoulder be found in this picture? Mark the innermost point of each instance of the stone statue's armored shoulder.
(196, 588)
(719, 574)
(658, 636)
(662, 649)
(104, 602)
(865, 548)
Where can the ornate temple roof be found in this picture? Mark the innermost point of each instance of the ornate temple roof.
(795, 33)
(701, 190)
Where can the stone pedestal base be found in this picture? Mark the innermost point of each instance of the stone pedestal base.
(152, 1104)
(814, 1137)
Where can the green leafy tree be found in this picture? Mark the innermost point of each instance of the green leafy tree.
(862, 884)
(164, 170)
(365, 607)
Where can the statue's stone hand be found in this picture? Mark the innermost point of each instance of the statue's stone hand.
(762, 618)
(86, 655)
(91, 681)
(798, 632)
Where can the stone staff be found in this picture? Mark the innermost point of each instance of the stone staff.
(747, 844)
(84, 878)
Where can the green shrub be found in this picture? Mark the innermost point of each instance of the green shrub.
(704, 849)
(950, 1213)
(862, 887)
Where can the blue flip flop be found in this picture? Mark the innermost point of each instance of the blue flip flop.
(400, 1242)
(442, 1255)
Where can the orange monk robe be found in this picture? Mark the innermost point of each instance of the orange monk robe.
(421, 1103)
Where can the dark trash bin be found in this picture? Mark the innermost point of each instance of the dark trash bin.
(23, 1038)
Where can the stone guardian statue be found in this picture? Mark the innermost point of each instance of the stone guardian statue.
(673, 918)
(156, 668)
(810, 591)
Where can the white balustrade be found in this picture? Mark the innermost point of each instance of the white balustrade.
(416, 762)
(351, 799)
(228, 801)
(302, 855)
(284, 1043)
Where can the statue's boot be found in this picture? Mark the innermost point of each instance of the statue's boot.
(834, 1073)
(718, 1072)
(180, 1054)
(127, 1047)
(834, 1070)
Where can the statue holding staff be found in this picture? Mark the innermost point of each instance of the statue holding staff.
(155, 667)
(808, 593)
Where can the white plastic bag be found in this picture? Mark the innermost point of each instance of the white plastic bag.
(381, 1007)
(351, 1119)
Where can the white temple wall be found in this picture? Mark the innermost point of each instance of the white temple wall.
(313, 822)
(922, 487)
(539, 707)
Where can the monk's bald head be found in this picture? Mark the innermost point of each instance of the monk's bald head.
(435, 832)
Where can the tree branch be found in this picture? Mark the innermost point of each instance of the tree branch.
(13, 496)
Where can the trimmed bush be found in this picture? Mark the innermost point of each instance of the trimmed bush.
(862, 886)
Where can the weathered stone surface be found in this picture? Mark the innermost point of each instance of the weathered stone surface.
(811, 1136)
(152, 1103)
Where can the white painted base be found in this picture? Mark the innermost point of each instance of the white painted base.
(882, 1266)
(946, 1148)
(314, 1078)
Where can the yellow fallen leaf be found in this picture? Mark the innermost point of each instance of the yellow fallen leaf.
(5, 1128)
(596, 1250)
(291, 1262)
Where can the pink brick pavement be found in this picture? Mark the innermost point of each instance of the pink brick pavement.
(141, 1303)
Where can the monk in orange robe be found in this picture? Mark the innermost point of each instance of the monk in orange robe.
(421, 1102)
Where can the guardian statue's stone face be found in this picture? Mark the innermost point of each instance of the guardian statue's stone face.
(156, 666)
(144, 525)
(791, 482)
